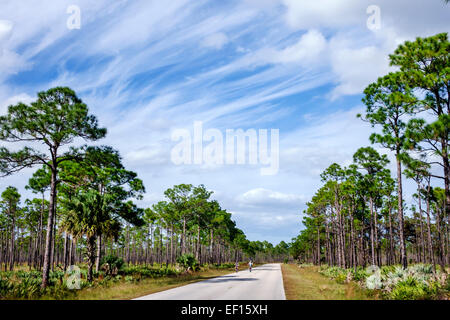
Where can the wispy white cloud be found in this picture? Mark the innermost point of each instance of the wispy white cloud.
(304, 14)
(216, 40)
(4, 104)
(264, 197)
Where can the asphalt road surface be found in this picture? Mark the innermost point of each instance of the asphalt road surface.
(263, 283)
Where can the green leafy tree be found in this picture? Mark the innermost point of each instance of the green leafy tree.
(388, 101)
(88, 214)
(102, 171)
(179, 196)
(55, 119)
(333, 176)
(425, 67)
(10, 200)
(370, 160)
(200, 206)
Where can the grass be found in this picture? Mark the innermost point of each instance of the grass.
(125, 290)
(133, 282)
(308, 284)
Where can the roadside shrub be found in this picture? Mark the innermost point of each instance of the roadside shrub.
(417, 282)
(422, 268)
(57, 292)
(374, 282)
(188, 262)
(341, 278)
(332, 272)
(5, 288)
(411, 289)
(27, 284)
(111, 264)
(148, 272)
(360, 274)
(27, 288)
(386, 270)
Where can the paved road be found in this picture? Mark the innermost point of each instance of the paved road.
(263, 283)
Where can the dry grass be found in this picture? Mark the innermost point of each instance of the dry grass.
(125, 291)
(308, 284)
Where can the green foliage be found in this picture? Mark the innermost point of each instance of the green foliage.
(415, 282)
(188, 262)
(6, 288)
(148, 272)
(332, 272)
(27, 285)
(55, 118)
(112, 264)
(412, 289)
(360, 274)
(341, 278)
(385, 270)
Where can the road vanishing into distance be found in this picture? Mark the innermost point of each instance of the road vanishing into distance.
(263, 283)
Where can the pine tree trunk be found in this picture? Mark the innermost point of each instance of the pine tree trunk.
(430, 242)
(440, 241)
(70, 254)
(48, 240)
(318, 245)
(391, 239)
(171, 245)
(52, 248)
(372, 233)
(403, 257)
(12, 212)
(211, 246)
(183, 238)
(352, 241)
(65, 251)
(422, 240)
(197, 253)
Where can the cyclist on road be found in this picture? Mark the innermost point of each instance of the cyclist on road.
(250, 265)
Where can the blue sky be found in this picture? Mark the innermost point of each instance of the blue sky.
(146, 68)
